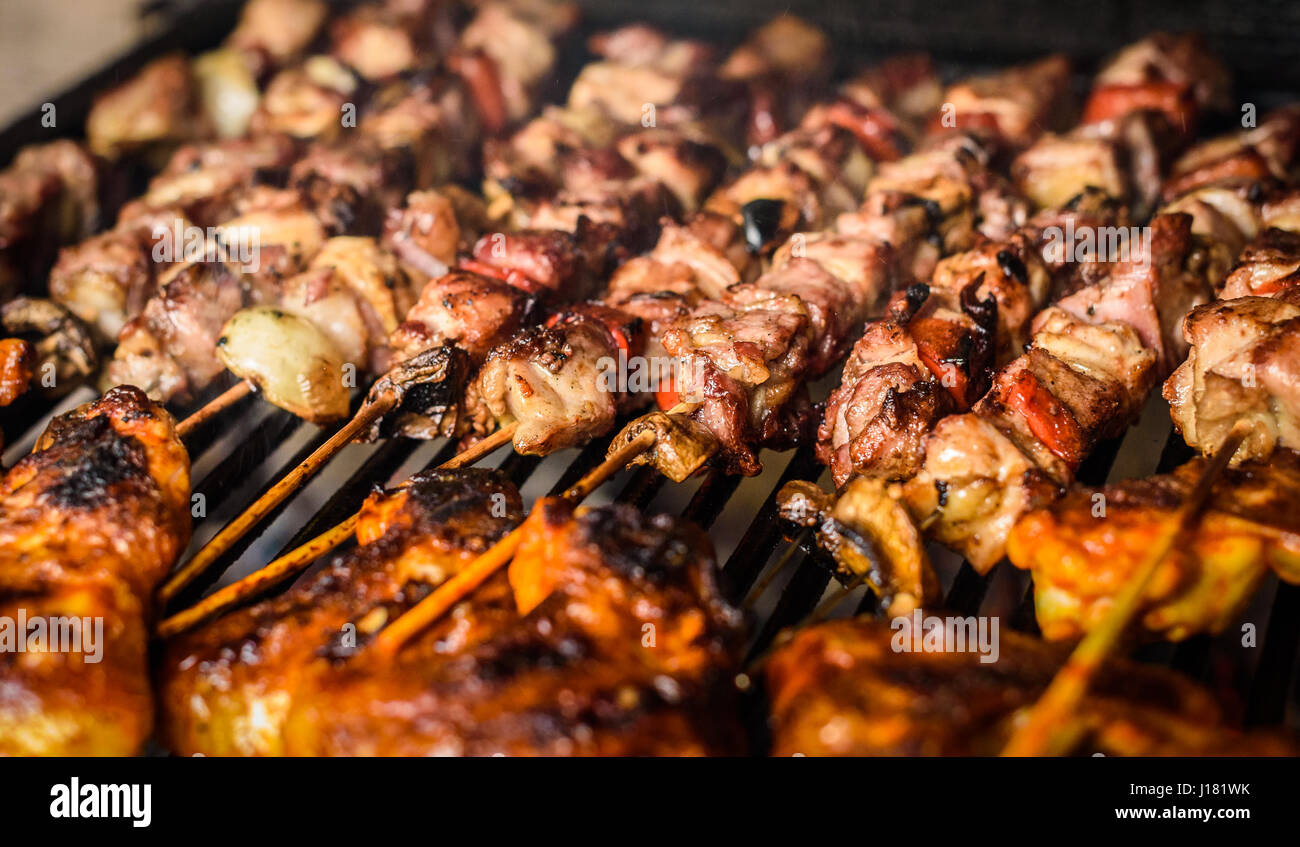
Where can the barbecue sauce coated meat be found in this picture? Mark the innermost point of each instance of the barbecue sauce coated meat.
(227, 688)
(842, 689)
(626, 650)
(630, 650)
(90, 522)
(1082, 556)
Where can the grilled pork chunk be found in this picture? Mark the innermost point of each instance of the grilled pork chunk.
(1016, 105)
(158, 106)
(1267, 266)
(90, 523)
(1244, 365)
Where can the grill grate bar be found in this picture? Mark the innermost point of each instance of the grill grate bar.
(711, 498)
(377, 469)
(797, 602)
(645, 483)
(967, 591)
(1267, 699)
(588, 458)
(223, 480)
(518, 468)
(196, 589)
(761, 538)
(207, 434)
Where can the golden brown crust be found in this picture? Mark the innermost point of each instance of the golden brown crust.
(90, 522)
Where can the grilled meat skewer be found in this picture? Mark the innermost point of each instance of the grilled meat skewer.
(554, 265)
(1095, 355)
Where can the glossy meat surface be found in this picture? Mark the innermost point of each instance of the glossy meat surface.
(625, 645)
(1084, 548)
(842, 689)
(90, 522)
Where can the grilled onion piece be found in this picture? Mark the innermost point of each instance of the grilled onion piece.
(291, 362)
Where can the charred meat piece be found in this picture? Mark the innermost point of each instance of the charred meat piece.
(1057, 168)
(518, 40)
(49, 192)
(906, 371)
(90, 522)
(473, 311)
(1268, 266)
(1151, 289)
(1009, 272)
(1249, 156)
(1083, 549)
(843, 688)
(572, 615)
(105, 280)
(424, 233)
(168, 349)
(206, 182)
(1175, 74)
(557, 382)
(279, 29)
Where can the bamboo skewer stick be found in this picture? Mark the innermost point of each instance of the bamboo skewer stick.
(460, 586)
(300, 557)
(1047, 729)
(214, 407)
(274, 496)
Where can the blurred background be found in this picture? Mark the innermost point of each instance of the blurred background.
(48, 44)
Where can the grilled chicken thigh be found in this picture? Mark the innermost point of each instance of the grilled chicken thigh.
(1244, 364)
(90, 523)
(607, 636)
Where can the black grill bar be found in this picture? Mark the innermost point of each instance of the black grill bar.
(967, 591)
(239, 463)
(587, 459)
(377, 469)
(645, 483)
(517, 467)
(206, 434)
(760, 539)
(196, 589)
(1266, 703)
(797, 601)
(711, 497)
